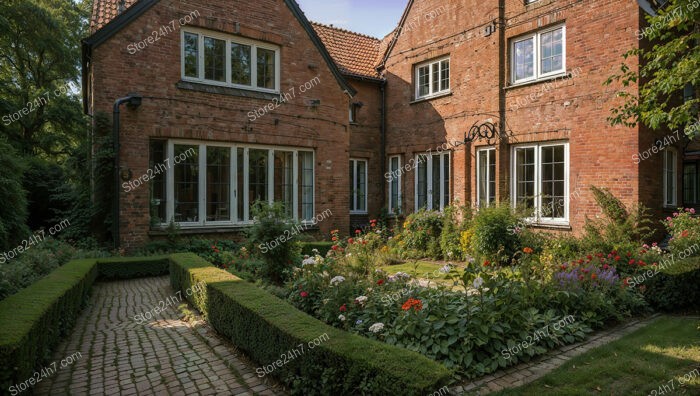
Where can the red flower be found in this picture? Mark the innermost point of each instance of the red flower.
(580, 277)
(380, 282)
(416, 304)
(563, 267)
(605, 267)
(593, 276)
(487, 263)
(304, 294)
(589, 257)
(343, 308)
(684, 233)
(629, 254)
(334, 247)
(358, 232)
(364, 242)
(528, 250)
(335, 238)
(350, 241)
(617, 258)
(631, 262)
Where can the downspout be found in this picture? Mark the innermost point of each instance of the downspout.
(134, 101)
(382, 133)
(502, 66)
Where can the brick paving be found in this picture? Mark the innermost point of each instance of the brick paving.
(525, 373)
(162, 356)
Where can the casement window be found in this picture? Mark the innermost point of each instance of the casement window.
(200, 184)
(220, 59)
(358, 186)
(394, 184)
(432, 78)
(486, 177)
(541, 181)
(432, 181)
(670, 176)
(691, 182)
(538, 55)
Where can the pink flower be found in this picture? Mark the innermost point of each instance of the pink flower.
(304, 294)
(692, 211)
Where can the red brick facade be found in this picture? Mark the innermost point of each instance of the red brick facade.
(476, 37)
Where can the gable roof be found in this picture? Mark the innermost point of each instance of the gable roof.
(395, 34)
(355, 54)
(107, 21)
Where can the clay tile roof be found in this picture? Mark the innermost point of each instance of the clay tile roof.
(104, 11)
(355, 54)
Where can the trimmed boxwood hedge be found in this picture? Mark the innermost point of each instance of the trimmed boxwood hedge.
(35, 319)
(267, 328)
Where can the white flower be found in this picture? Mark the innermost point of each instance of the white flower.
(392, 278)
(308, 261)
(342, 318)
(446, 269)
(361, 300)
(338, 279)
(376, 328)
(478, 282)
(315, 252)
(402, 275)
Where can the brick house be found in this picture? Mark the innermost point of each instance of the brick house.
(245, 102)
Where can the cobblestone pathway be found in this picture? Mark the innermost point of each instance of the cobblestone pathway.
(525, 373)
(115, 355)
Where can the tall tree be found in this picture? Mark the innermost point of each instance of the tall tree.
(39, 69)
(669, 74)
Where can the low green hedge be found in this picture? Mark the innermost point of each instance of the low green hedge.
(136, 267)
(675, 289)
(36, 318)
(267, 328)
(322, 247)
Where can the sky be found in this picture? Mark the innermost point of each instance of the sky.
(372, 17)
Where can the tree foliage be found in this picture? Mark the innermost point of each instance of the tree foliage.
(13, 211)
(670, 65)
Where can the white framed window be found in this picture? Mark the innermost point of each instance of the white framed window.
(541, 181)
(670, 177)
(358, 186)
(394, 184)
(485, 177)
(432, 78)
(214, 184)
(219, 59)
(432, 181)
(538, 55)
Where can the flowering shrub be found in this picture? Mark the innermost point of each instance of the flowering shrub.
(496, 234)
(420, 236)
(684, 228)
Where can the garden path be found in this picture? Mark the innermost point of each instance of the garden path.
(166, 355)
(525, 373)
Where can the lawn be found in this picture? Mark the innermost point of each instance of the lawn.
(662, 358)
(426, 270)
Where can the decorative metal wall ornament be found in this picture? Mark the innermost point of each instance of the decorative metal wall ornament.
(485, 131)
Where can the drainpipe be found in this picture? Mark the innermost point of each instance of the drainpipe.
(502, 65)
(133, 101)
(382, 133)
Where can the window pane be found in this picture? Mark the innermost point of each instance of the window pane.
(156, 162)
(257, 176)
(436, 77)
(551, 47)
(446, 180)
(361, 186)
(306, 184)
(525, 177)
(218, 183)
(445, 75)
(187, 184)
(266, 68)
(191, 55)
(394, 166)
(214, 59)
(435, 187)
(423, 81)
(422, 187)
(670, 179)
(524, 58)
(492, 176)
(284, 180)
(240, 64)
(553, 182)
(484, 177)
(690, 183)
(240, 183)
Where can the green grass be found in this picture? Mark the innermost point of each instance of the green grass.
(657, 355)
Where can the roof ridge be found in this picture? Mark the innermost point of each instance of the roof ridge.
(345, 30)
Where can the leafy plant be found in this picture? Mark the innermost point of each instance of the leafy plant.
(495, 237)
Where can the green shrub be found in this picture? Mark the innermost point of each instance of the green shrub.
(274, 236)
(452, 232)
(36, 318)
(13, 211)
(496, 234)
(675, 290)
(136, 267)
(322, 247)
(420, 236)
(266, 328)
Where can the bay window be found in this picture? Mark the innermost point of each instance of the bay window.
(432, 181)
(538, 55)
(220, 59)
(218, 184)
(541, 181)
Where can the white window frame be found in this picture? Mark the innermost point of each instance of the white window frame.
(536, 36)
(394, 178)
(444, 156)
(430, 64)
(355, 202)
(674, 194)
(480, 152)
(201, 146)
(538, 183)
(254, 45)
